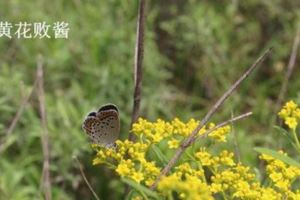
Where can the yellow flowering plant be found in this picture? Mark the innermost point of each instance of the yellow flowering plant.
(201, 173)
(290, 114)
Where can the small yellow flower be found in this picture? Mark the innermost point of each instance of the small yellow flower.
(290, 113)
(283, 185)
(220, 134)
(184, 168)
(137, 176)
(275, 176)
(204, 157)
(167, 183)
(124, 168)
(297, 113)
(173, 144)
(226, 158)
(291, 122)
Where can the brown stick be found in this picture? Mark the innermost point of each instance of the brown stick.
(189, 140)
(16, 118)
(223, 124)
(85, 179)
(44, 137)
(20, 110)
(290, 68)
(235, 143)
(204, 136)
(138, 61)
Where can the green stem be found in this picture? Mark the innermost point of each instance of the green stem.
(296, 139)
(112, 166)
(144, 195)
(223, 195)
(170, 196)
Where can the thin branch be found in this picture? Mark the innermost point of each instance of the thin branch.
(235, 143)
(20, 110)
(290, 68)
(16, 118)
(44, 137)
(138, 61)
(242, 116)
(189, 140)
(202, 136)
(85, 179)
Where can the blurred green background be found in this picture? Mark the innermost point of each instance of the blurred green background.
(194, 50)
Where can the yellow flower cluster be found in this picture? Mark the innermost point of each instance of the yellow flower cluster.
(236, 181)
(281, 175)
(220, 134)
(206, 159)
(200, 174)
(187, 181)
(128, 160)
(190, 187)
(290, 113)
(174, 131)
(229, 179)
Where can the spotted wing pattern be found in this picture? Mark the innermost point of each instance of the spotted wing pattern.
(103, 126)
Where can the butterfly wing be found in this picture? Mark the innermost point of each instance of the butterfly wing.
(109, 126)
(103, 127)
(90, 125)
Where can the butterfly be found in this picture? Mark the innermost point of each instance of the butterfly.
(103, 126)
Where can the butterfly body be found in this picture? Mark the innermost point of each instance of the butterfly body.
(103, 126)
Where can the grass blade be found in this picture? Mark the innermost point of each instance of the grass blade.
(278, 156)
(162, 158)
(141, 188)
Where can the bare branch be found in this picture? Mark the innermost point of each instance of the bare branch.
(289, 71)
(20, 110)
(85, 179)
(44, 137)
(242, 116)
(235, 143)
(138, 61)
(182, 148)
(16, 118)
(189, 140)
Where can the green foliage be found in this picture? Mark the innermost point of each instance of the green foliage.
(193, 52)
(92, 67)
(142, 189)
(276, 155)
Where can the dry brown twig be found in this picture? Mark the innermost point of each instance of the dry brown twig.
(46, 182)
(189, 140)
(235, 144)
(16, 118)
(290, 68)
(24, 102)
(85, 179)
(233, 119)
(138, 61)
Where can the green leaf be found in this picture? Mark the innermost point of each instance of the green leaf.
(130, 195)
(278, 156)
(284, 132)
(162, 158)
(140, 188)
